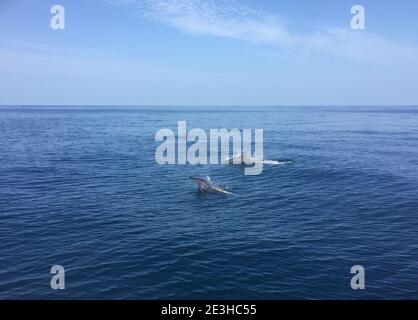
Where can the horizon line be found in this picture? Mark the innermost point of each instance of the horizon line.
(207, 106)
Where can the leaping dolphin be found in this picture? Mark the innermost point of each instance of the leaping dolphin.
(205, 185)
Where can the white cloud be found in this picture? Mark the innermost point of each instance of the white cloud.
(230, 20)
(226, 20)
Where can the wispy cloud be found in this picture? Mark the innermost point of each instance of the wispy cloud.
(229, 19)
(224, 20)
(209, 17)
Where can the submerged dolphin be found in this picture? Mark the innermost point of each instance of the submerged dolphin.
(205, 185)
(241, 158)
(244, 158)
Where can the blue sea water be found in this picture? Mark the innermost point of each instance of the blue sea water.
(80, 187)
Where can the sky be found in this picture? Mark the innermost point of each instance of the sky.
(208, 53)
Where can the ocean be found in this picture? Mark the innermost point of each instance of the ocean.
(80, 188)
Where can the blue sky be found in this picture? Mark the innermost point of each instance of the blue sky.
(201, 53)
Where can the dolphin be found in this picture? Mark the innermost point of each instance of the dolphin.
(244, 158)
(241, 158)
(205, 185)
